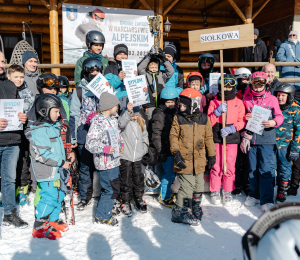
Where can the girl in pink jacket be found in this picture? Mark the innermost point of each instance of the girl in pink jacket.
(235, 121)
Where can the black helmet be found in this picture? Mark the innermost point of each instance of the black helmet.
(288, 89)
(151, 179)
(47, 80)
(64, 82)
(150, 158)
(93, 37)
(89, 65)
(44, 103)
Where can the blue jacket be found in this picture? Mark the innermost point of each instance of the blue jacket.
(47, 151)
(284, 54)
(177, 79)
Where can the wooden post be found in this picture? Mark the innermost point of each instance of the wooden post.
(54, 38)
(223, 114)
(238, 10)
(248, 11)
(159, 11)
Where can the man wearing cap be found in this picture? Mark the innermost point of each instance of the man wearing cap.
(256, 53)
(289, 51)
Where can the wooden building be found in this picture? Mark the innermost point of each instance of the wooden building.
(274, 18)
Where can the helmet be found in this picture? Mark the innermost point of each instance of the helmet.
(150, 158)
(44, 103)
(259, 74)
(192, 99)
(242, 73)
(64, 82)
(228, 80)
(169, 93)
(89, 65)
(260, 77)
(288, 89)
(47, 80)
(203, 58)
(93, 37)
(275, 235)
(151, 179)
(98, 15)
(194, 76)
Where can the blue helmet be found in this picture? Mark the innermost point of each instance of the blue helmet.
(169, 93)
(206, 57)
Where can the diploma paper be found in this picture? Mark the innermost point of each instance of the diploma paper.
(213, 82)
(100, 85)
(130, 68)
(10, 110)
(114, 140)
(259, 114)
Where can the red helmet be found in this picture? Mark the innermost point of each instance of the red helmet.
(192, 99)
(194, 74)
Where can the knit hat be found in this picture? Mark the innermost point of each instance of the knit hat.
(170, 49)
(187, 102)
(120, 48)
(108, 101)
(277, 42)
(27, 55)
(293, 32)
(256, 31)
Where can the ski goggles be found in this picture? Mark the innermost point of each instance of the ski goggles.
(259, 81)
(206, 60)
(51, 82)
(243, 76)
(228, 82)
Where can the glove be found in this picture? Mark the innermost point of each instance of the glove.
(179, 160)
(152, 51)
(162, 156)
(211, 161)
(221, 109)
(227, 131)
(293, 156)
(245, 144)
(161, 55)
(64, 177)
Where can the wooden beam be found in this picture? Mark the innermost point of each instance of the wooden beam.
(8, 1)
(248, 11)
(135, 4)
(238, 10)
(6, 27)
(144, 2)
(170, 6)
(215, 6)
(35, 19)
(97, 2)
(61, 3)
(196, 18)
(46, 3)
(14, 8)
(260, 8)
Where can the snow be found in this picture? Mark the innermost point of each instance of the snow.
(143, 236)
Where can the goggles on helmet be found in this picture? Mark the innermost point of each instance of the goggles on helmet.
(206, 60)
(51, 82)
(244, 76)
(228, 82)
(259, 81)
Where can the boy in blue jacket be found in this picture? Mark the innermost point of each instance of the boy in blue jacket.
(49, 163)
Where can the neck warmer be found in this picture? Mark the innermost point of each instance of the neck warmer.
(228, 95)
(293, 41)
(257, 94)
(98, 56)
(3, 76)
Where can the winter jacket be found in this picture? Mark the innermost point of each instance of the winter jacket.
(284, 54)
(269, 102)
(47, 151)
(136, 142)
(288, 134)
(112, 75)
(155, 81)
(259, 55)
(98, 137)
(79, 111)
(192, 136)
(273, 85)
(162, 120)
(66, 104)
(30, 79)
(26, 94)
(177, 79)
(8, 90)
(78, 74)
(235, 116)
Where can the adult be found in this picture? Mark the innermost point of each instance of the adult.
(289, 51)
(256, 53)
(95, 41)
(270, 70)
(29, 63)
(9, 154)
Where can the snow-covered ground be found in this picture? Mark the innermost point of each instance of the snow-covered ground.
(143, 236)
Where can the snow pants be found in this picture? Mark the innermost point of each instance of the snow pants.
(295, 179)
(23, 174)
(216, 173)
(50, 202)
(167, 179)
(241, 170)
(282, 164)
(260, 173)
(131, 180)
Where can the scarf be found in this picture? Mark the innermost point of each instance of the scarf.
(293, 41)
(257, 94)
(98, 56)
(228, 95)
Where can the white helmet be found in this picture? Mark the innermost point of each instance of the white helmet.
(242, 73)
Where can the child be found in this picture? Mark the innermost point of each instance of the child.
(48, 157)
(16, 74)
(161, 125)
(260, 148)
(156, 79)
(235, 121)
(287, 138)
(191, 138)
(206, 63)
(243, 76)
(64, 94)
(135, 136)
(104, 127)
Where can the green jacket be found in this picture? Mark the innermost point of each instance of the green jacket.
(78, 75)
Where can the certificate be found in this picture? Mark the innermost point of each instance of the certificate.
(259, 114)
(130, 68)
(100, 85)
(213, 82)
(137, 90)
(10, 110)
(114, 140)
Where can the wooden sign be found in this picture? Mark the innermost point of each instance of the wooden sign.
(221, 38)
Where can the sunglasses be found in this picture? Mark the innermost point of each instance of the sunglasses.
(292, 35)
(51, 82)
(260, 81)
(228, 82)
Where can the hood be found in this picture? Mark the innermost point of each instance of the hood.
(83, 84)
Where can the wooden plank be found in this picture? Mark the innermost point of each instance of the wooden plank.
(246, 32)
(46, 3)
(34, 19)
(238, 10)
(170, 6)
(196, 18)
(146, 4)
(260, 8)
(97, 2)
(135, 4)
(14, 8)
(217, 5)
(4, 27)
(297, 7)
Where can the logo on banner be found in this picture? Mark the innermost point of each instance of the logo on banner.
(221, 36)
(71, 14)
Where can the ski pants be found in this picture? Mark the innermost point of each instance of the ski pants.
(282, 164)
(23, 174)
(50, 202)
(167, 179)
(260, 173)
(86, 171)
(241, 170)
(110, 190)
(131, 180)
(189, 184)
(217, 175)
(295, 179)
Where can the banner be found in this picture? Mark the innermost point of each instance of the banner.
(118, 25)
(10, 110)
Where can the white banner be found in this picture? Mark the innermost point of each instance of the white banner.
(118, 25)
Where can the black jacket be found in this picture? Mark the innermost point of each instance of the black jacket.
(275, 83)
(8, 90)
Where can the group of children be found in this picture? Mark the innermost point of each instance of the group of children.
(183, 124)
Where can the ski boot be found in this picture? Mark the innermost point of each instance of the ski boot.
(110, 221)
(126, 209)
(82, 204)
(227, 198)
(215, 197)
(196, 208)
(292, 191)
(41, 229)
(167, 202)
(182, 215)
(22, 195)
(237, 191)
(59, 225)
(282, 191)
(174, 197)
(116, 210)
(14, 219)
(141, 205)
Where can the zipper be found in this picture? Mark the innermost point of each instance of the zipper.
(134, 149)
